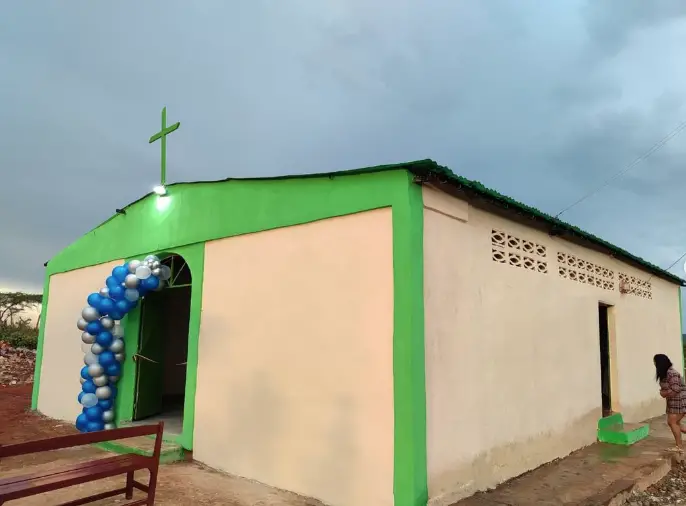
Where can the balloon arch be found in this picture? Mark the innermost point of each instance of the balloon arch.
(102, 337)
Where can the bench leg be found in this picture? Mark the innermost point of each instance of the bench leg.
(129, 485)
(152, 485)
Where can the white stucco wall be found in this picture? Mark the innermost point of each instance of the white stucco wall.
(512, 355)
(295, 369)
(62, 355)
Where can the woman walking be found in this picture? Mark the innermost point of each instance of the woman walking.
(673, 389)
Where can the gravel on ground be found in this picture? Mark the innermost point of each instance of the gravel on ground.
(670, 491)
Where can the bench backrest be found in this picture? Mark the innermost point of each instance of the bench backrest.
(62, 442)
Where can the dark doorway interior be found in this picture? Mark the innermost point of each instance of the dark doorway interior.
(605, 389)
(163, 350)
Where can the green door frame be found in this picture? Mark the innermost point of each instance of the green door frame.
(194, 255)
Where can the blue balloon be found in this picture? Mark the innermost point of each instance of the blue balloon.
(104, 339)
(94, 426)
(120, 272)
(106, 358)
(150, 283)
(112, 282)
(94, 327)
(113, 369)
(94, 413)
(81, 422)
(81, 394)
(88, 387)
(84, 372)
(117, 292)
(94, 300)
(105, 305)
(105, 404)
(123, 306)
(116, 314)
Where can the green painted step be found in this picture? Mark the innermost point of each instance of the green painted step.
(613, 430)
(171, 452)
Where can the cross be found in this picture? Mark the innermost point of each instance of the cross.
(162, 134)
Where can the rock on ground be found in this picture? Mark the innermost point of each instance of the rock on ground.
(16, 365)
(670, 491)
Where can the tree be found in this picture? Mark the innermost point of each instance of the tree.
(13, 303)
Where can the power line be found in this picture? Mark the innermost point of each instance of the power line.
(638, 160)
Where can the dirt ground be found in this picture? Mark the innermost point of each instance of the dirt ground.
(178, 484)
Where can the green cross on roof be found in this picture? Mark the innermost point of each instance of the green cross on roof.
(162, 134)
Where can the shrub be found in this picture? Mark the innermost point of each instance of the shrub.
(19, 335)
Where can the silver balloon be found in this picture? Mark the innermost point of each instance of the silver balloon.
(89, 313)
(104, 292)
(88, 338)
(143, 272)
(117, 346)
(107, 416)
(95, 370)
(100, 381)
(82, 324)
(85, 347)
(156, 264)
(96, 349)
(156, 271)
(90, 359)
(151, 258)
(131, 294)
(82, 380)
(119, 357)
(165, 272)
(110, 426)
(107, 323)
(133, 265)
(118, 330)
(103, 392)
(113, 379)
(131, 280)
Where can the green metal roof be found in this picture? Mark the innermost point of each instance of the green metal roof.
(429, 170)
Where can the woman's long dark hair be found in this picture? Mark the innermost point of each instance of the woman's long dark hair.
(662, 365)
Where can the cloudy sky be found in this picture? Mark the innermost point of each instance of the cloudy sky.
(541, 100)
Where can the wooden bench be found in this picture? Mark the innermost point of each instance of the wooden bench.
(62, 477)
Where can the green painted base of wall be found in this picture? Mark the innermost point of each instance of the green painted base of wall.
(172, 452)
(613, 430)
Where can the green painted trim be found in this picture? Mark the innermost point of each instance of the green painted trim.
(39, 344)
(194, 255)
(166, 456)
(410, 487)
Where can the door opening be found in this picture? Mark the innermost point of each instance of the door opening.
(163, 350)
(605, 375)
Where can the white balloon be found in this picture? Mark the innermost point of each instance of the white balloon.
(96, 349)
(119, 357)
(151, 258)
(117, 346)
(85, 347)
(131, 294)
(131, 280)
(143, 272)
(100, 381)
(133, 265)
(89, 400)
(107, 322)
(118, 330)
(82, 324)
(165, 272)
(103, 392)
(108, 416)
(95, 370)
(87, 338)
(90, 358)
(89, 313)
(82, 380)
(110, 426)
(104, 292)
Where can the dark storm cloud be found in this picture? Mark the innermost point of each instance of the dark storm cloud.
(541, 100)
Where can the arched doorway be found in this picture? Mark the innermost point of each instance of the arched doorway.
(162, 352)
